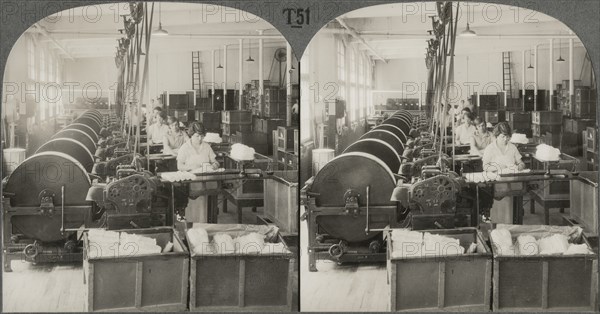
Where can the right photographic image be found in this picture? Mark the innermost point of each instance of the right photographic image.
(448, 162)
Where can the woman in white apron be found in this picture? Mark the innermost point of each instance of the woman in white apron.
(502, 155)
(198, 156)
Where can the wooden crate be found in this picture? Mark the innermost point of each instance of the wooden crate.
(584, 201)
(448, 283)
(580, 125)
(281, 200)
(236, 117)
(494, 116)
(591, 139)
(541, 129)
(546, 117)
(285, 138)
(252, 283)
(138, 283)
(211, 120)
(230, 129)
(518, 116)
(545, 282)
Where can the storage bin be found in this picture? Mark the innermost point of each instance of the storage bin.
(236, 117)
(546, 117)
(281, 200)
(584, 201)
(442, 283)
(239, 282)
(156, 282)
(544, 282)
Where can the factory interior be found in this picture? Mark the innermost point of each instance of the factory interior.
(424, 156)
(150, 162)
(448, 162)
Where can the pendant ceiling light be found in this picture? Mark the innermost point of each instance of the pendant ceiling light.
(468, 32)
(249, 56)
(560, 58)
(160, 31)
(219, 66)
(530, 53)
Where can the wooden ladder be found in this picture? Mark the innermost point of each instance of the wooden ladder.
(506, 73)
(196, 73)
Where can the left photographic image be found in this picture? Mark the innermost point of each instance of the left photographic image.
(150, 162)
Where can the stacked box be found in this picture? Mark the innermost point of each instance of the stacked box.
(493, 116)
(211, 120)
(585, 103)
(285, 138)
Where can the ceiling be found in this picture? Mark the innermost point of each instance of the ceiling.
(398, 31)
(392, 31)
(93, 31)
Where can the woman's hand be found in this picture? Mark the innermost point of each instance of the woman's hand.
(215, 165)
(521, 166)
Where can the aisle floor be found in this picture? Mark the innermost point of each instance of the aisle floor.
(60, 288)
(363, 287)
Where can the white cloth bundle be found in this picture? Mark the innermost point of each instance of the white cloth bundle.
(554, 244)
(547, 153)
(212, 138)
(168, 247)
(105, 243)
(242, 152)
(527, 245)
(406, 243)
(177, 176)
(437, 245)
(578, 249)
(501, 237)
(250, 243)
(502, 242)
(198, 239)
(519, 138)
(472, 248)
(223, 244)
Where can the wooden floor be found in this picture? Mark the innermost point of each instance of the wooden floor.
(363, 288)
(60, 288)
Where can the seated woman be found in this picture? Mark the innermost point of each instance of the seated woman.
(465, 131)
(158, 130)
(174, 139)
(481, 138)
(197, 154)
(502, 155)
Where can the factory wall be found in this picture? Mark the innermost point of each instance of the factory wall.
(561, 69)
(88, 72)
(476, 72)
(479, 72)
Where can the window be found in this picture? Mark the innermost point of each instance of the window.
(341, 65)
(51, 74)
(352, 90)
(42, 65)
(369, 86)
(31, 58)
(361, 86)
(306, 102)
